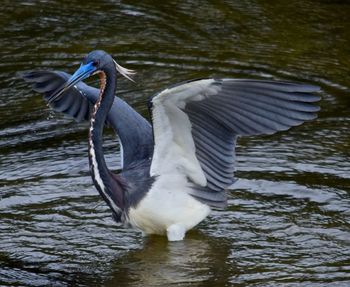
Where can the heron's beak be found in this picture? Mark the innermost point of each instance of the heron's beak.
(82, 73)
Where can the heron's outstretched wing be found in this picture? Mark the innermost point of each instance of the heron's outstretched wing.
(195, 125)
(133, 130)
(72, 103)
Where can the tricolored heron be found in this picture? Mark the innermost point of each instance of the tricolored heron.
(169, 183)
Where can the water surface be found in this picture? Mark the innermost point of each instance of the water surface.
(288, 219)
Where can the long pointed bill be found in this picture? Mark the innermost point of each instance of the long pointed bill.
(82, 73)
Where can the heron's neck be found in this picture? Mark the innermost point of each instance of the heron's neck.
(100, 173)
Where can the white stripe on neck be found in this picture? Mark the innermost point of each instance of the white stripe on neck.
(121, 154)
(98, 179)
(94, 164)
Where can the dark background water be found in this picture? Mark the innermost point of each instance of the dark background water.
(288, 220)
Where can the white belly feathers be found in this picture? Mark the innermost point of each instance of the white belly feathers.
(167, 204)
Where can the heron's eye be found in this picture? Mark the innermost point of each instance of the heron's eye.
(95, 63)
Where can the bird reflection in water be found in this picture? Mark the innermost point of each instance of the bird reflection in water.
(196, 261)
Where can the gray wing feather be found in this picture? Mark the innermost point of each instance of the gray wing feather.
(71, 103)
(214, 149)
(245, 107)
(77, 102)
(242, 108)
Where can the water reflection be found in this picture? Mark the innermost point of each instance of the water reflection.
(197, 261)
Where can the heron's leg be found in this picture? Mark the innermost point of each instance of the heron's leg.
(176, 232)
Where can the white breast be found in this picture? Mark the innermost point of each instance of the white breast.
(166, 204)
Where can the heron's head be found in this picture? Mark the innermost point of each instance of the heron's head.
(95, 62)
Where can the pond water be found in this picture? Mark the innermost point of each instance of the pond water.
(288, 219)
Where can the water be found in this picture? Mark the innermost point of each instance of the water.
(287, 223)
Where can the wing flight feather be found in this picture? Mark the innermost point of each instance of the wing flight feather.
(196, 124)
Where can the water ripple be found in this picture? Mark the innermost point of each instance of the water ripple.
(287, 223)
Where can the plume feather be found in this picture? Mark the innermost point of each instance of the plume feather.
(127, 73)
